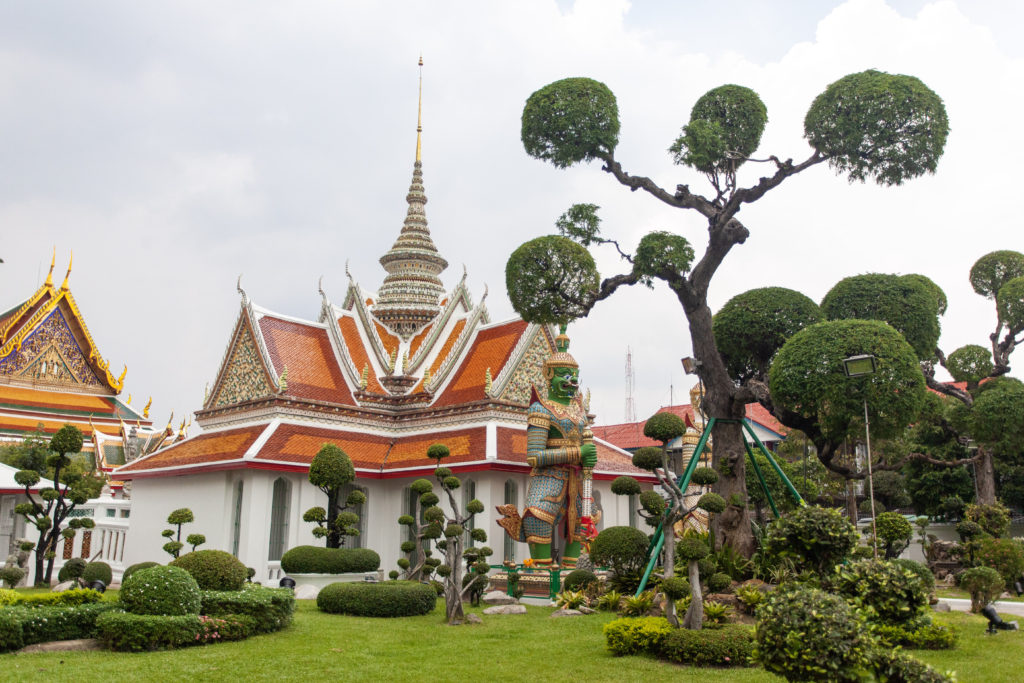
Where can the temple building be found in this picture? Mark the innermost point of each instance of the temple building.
(52, 374)
(383, 376)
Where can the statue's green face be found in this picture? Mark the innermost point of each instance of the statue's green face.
(564, 384)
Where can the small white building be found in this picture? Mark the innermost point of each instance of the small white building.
(383, 376)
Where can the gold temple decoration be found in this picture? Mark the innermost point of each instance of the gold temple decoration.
(419, 114)
(145, 411)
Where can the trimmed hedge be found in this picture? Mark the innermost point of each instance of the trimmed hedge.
(213, 570)
(897, 666)
(311, 559)
(166, 591)
(924, 637)
(387, 599)
(144, 632)
(636, 635)
(271, 609)
(68, 598)
(731, 645)
(72, 569)
(136, 567)
(21, 626)
(98, 571)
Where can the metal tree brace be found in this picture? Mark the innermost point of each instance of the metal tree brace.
(658, 540)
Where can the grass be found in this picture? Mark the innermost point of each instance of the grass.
(959, 593)
(504, 648)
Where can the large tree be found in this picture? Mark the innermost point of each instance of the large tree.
(869, 125)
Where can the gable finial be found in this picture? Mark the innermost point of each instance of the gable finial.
(64, 285)
(238, 286)
(419, 114)
(145, 411)
(53, 262)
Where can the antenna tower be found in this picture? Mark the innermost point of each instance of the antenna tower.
(630, 415)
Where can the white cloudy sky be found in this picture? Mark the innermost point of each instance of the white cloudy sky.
(173, 146)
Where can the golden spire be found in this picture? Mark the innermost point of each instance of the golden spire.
(419, 113)
(64, 286)
(53, 262)
(145, 411)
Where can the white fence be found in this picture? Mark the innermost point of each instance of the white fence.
(103, 543)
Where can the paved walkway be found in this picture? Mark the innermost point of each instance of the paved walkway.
(1002, 606)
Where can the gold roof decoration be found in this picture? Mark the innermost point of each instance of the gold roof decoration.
(561, 357)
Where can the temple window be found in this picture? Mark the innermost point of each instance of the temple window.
(236, 520)
(280, 501)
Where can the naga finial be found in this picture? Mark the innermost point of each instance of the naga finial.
(238, 286)
(145, 411)
(129, 401)
(64, 285)
(53, 262)
(487, 381)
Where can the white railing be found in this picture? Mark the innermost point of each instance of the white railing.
(273, 574)
(103, 543)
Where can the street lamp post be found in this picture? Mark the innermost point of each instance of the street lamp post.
(862, 366)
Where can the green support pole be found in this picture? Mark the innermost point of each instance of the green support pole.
(658, 540)
(778, 470)
(760, 478)
(555, 582)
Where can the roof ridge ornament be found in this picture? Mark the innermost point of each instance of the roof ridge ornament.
(238, 286)
(53, 262)
(64, 285)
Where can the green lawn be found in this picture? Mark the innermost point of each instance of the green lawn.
(953, 592)
(504, 648)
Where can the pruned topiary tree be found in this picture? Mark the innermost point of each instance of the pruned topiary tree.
(72, 487)
(330, 471)
(176, 518)
(424, 525)
(870, 125)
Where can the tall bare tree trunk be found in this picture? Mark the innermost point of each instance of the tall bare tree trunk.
(694, 618)
(670, 556)
(985, 477)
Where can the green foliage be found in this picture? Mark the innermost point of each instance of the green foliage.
(806, 634)
(664, 427)
(72, 569)
(213, 570)
(812, 537)
(578, 579)
(916, 636)
(634, 636)
(271, 609)
(923, 573)
(712, 502)
(653, 504)
(180, 516)
(997, 417)
(581, 223)
(904, 302)
(993, 270)
(662, 255)
(11, 576)
(885, 592)
(331, 468)
(807, 378)
(173, 548)
(971, 363)
(940, 296)
(132, 568)
(730, 645)
(890, 128)
(97, 571)
(751, 328)
(984, 585)
(749, 598)
(647, 458)
(167, 591)
(637, 605)
(894, 531)
(569, 121)
(730, 561)
(897, 666)
(308, 559)
(609, 601)
(21, 626)
(704, 476)
(675, 587)
(1010, 304)
(126, 632)
(551, 280)
(691, 547)
(68, 598)
(68, 439)
(439, 452)
(387, 599)
(715, 612)
(719, 582)
(993, 519)
(1004, 555)
(195, 540)
(725, 128)
(568, 599)
(626, 486)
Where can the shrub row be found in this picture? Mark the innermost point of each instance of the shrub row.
(924, 637)
(136, 567)
(127, 632)
(731, 645)
(270, 609)
(21, 626)
(634, 636)
(68, 598)
(309, 559)
(387, 599)
(164, 591)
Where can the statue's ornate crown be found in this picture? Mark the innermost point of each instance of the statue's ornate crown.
(560, 358)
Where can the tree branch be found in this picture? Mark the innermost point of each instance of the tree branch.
(682, 199)
(786, 168)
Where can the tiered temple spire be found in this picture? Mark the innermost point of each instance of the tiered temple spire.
(409, 299)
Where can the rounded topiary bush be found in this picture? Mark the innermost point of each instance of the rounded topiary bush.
(136, 567)
(97, 571)
(309, 559)
(815, 538)
(167, 591)
(675, 587)
(622, 548)
(730, 645)
(984, 585)
(921, 570)
(72, 569)
(387, 599)
(719, 582)
(578, 579)
(213, 570)
(806, 634)
(886, 592)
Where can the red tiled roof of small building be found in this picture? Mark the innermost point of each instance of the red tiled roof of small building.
(357, 352)
(306, 351)
(208, 447)
(491, 349)
(631, 434)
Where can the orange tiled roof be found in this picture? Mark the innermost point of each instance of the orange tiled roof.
(389, 340)
(491, 349)
(357, 352)
(28, 425)
(208, 447)
(418, 340)
(446, 349)
(299, 443)
(306, 351)
(63, 403)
